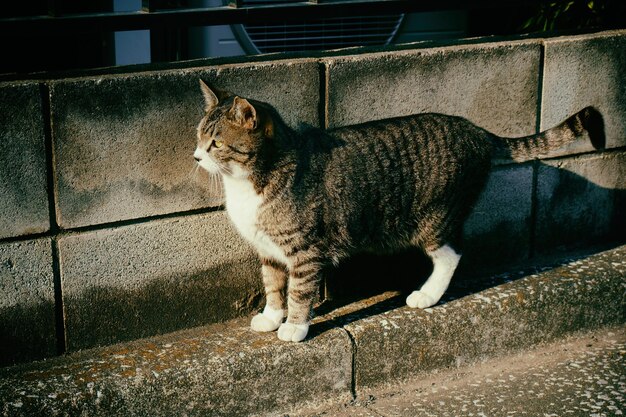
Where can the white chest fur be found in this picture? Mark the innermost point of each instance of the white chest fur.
(242, 205)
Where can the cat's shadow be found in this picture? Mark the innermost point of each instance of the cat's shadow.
(369, 284)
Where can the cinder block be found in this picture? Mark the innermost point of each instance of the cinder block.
(155, 277)
(27, 318)
(23, 195)
(124, 144)
(497, 233)
(493, 85)
(581, 201)
(587, 70)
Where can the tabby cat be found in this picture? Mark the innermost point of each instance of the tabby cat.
(305, 199)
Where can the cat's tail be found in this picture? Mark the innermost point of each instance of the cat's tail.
(586, 125)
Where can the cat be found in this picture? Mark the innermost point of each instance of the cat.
(307, 199)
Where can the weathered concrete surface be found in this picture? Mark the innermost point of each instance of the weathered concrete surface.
(582, 375)
(226, 369)
(23, 195)
(401, 342)
(124, 144)
(156, 277)
(497, 233)
(213, 371)
(493, 85)
(581, 201)
(586, 70)
(27, 323)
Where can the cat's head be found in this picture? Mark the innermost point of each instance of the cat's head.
(232, 132)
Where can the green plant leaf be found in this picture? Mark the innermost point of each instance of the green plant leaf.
(528, 23)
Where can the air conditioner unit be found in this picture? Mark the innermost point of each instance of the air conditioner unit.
(316, 34)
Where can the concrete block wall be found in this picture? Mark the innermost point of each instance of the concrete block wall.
(23, 184)
(122, 144)
(155, 277)
(109, 233)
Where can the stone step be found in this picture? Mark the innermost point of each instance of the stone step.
(227, 370)
(579, 375)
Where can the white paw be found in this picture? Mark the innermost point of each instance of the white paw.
(293, 332)
(261, 323)
(419, 299)
(267, 321)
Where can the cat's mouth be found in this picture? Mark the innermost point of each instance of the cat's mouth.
(230, 169)
(205, 161)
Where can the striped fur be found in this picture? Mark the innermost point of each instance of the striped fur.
(586, 124)
(306, 199)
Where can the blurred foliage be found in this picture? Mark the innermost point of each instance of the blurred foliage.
(576, 14)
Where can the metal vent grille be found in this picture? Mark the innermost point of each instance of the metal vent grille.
(319, 34)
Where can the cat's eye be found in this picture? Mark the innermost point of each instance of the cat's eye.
(218, 143)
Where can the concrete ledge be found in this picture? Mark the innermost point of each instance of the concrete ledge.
(400, 343)
(229, 370)
(216, 371)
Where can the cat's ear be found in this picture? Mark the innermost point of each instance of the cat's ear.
(243, 113)
(268, 128)
(210, 98)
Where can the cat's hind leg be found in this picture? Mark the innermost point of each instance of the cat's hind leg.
(445, 260)
(275, 281)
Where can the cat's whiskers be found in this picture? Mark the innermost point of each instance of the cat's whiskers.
(216, 185)
(223, 168)
(196, 170)
(193, 173)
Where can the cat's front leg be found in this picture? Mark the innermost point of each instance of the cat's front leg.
(304, 281)
(274, 279)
